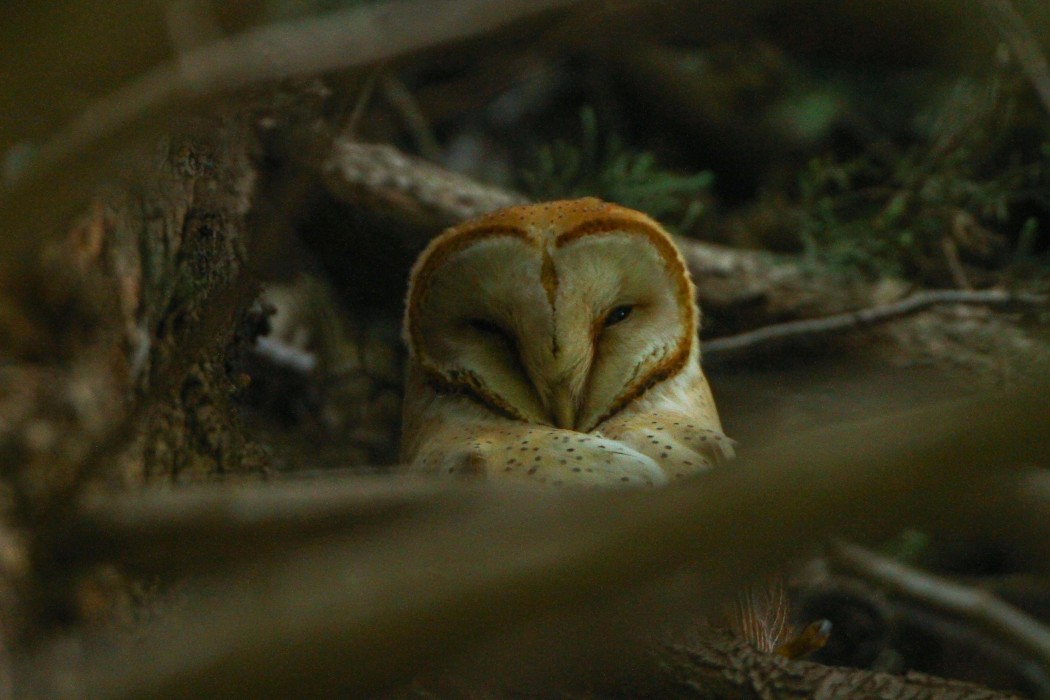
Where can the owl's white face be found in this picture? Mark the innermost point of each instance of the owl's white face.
(556, 314)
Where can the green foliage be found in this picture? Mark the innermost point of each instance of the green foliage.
(611, 170)
(895, 212)
(912, 207)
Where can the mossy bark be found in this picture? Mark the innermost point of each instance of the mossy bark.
(177, 250)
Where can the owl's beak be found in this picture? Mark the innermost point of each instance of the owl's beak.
(563, 406)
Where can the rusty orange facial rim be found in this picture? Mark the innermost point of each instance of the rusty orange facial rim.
(532, 225)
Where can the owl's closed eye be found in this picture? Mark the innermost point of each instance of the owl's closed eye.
(558, 343)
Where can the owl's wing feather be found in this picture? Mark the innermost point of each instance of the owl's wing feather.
(507, 449)
(677, 442)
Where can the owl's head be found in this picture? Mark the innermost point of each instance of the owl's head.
(559, 313)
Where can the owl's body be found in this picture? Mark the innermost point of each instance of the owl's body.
(558, 343)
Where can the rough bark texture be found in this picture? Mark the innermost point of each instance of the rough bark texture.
(721, 667)
(195, 299)
(121, 364)
(175, 248)
(417, 192)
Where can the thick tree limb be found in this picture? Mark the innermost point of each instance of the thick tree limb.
(200, 528)
(355, 37)
(359, 615)
(415, 193)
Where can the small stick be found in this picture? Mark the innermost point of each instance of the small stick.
(1023, 43)
(412, 116)
(794, 332)
(981, 608)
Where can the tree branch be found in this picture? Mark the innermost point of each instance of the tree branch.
(980, 608)
(1025, 45)
(69, 164)
(359, 615)
(718, 666)
(420, 195)
(200, 528)
(811, 330)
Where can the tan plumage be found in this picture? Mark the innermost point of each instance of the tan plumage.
(557, 342)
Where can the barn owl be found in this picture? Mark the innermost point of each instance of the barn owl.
(557, 343)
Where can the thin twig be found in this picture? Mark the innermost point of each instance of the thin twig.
(285, 355)
(981, 608)
(362, 102)
(1025, 45)
(809, 330)
(955, 266)
(412, 116)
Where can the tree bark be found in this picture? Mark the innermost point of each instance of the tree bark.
(718, 666)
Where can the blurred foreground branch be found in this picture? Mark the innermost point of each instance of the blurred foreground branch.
(360, 614)
(200, 528)
(74, 159)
